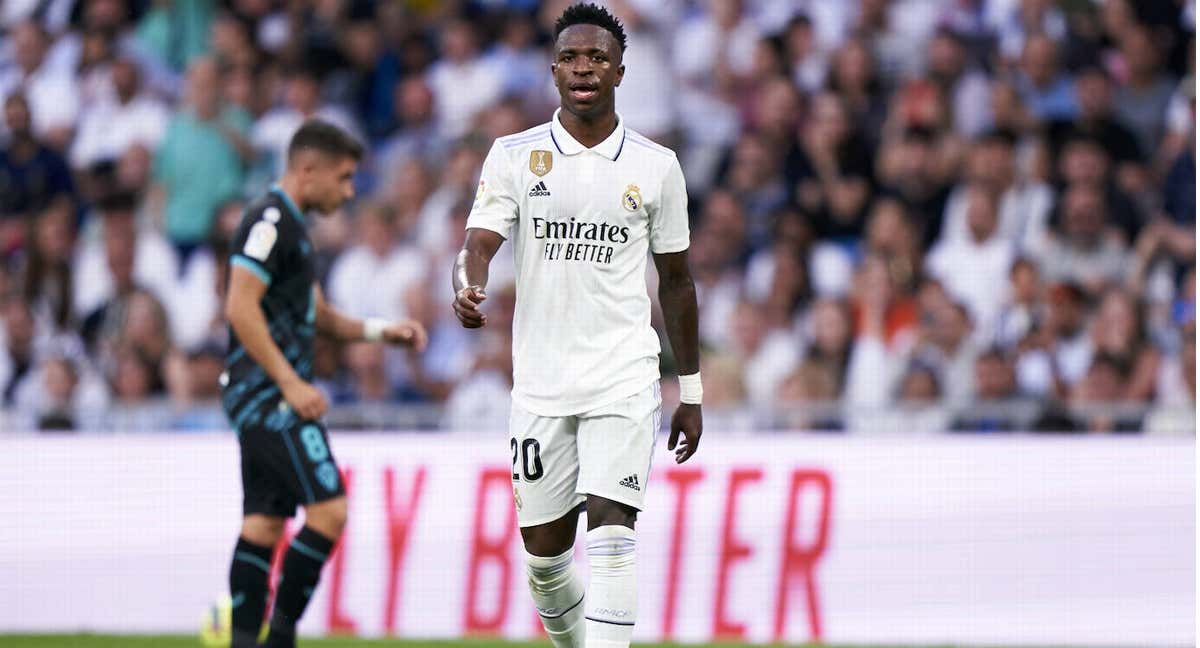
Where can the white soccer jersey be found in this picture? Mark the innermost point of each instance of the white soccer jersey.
(581, 221)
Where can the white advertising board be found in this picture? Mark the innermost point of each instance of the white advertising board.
(996, 540)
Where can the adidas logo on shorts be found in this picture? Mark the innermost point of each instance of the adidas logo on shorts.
(630, 482)
(539, 189)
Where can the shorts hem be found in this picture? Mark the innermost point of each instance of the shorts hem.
(543, 519)
(620, 499)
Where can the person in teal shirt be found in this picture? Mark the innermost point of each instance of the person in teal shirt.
(202, 160)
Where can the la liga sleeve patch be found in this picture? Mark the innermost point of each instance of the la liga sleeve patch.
(261, 239)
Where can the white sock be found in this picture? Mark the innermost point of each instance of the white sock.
(558, 595)
(612, 592)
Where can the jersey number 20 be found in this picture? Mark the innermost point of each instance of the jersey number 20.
(530, 456)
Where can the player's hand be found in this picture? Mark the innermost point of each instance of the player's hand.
(305, 400)
(690, 422)
(466, 307)
(408, 333)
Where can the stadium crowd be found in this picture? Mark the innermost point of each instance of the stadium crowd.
(906, 214)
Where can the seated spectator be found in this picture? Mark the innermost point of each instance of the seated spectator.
(1083, 250)
(830, 340)
(418, 138)
(832, 172)
(1057, 353)
(974, 270)
(32, 175)
(461, 66)
(1024, 310)
(994, 398)
(49, 276)
(945, 344)
(1096, 401)
(122, 247)
(52, 92)
(766, 354)
(1118, 332)
(272, 133)
(204, 140)
(809, 396)
(370, 278)
(1096, 120)
(18, 331)
(1142, 99)
(108, 128)
(1047, 92)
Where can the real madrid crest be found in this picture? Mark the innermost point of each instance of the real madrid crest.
(540, 162)
(632, 199)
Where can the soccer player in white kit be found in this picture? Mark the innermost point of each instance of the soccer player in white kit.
(583, 199)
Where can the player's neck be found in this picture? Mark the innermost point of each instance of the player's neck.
(588, 132)
(291, 187)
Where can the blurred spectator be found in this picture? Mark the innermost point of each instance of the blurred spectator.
(1097, 120)
(52, 94)
(832, 171)
(1082, 250)
(108, 128)
(647, 100)
(1023, 310)
(462, 67)
(207, 142)
(17, 334)
(122, 258)
(301, 100)
(378, 255)
(1056, 355)
(49, 277)
(365, 83)
(418, 137)
(516, 57)
(986, 254)
(1044, 88)
(1141, 102)
(805, 57)
(965, 87)
(176, 32)
(32, 175)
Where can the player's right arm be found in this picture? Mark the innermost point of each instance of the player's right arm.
(492, 217)
(471, 275)
(249, 323)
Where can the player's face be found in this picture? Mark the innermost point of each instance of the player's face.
(331, 182)
(587, 67)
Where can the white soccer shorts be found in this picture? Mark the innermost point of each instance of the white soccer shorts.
(558, 460)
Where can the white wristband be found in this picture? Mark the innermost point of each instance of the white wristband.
(373, 328)
(690, 389)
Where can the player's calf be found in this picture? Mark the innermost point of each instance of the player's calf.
(611, 608)
(248, 573)
(302, 564)
(558, 596)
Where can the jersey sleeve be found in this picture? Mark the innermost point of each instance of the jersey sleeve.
(263, 242)
(669, 223)
(495, 206)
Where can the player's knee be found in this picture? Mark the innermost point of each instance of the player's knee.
(262, 530)
(328, 518)
(606, 512)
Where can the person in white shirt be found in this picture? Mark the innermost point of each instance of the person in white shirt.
(109, 129)
(584, 198)
(975, 270)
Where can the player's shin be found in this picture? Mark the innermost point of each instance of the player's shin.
(248, 573)
(301, 570)
(558, 595)
(611, 608)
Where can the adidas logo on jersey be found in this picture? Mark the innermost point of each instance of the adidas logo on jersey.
(630, 482)
(539, 189)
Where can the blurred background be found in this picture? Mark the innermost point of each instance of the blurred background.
(908, 215)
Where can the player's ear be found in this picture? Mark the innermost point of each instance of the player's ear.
(620, 75)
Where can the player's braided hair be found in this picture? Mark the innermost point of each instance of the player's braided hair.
(590, 14)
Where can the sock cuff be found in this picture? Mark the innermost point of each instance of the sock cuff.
(550, 563)
(611, 539)
(244, 545)
(312, 544)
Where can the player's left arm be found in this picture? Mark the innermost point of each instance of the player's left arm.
(677, 293)
(336, 324)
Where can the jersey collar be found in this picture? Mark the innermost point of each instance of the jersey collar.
(567, 145)
(287, 200)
